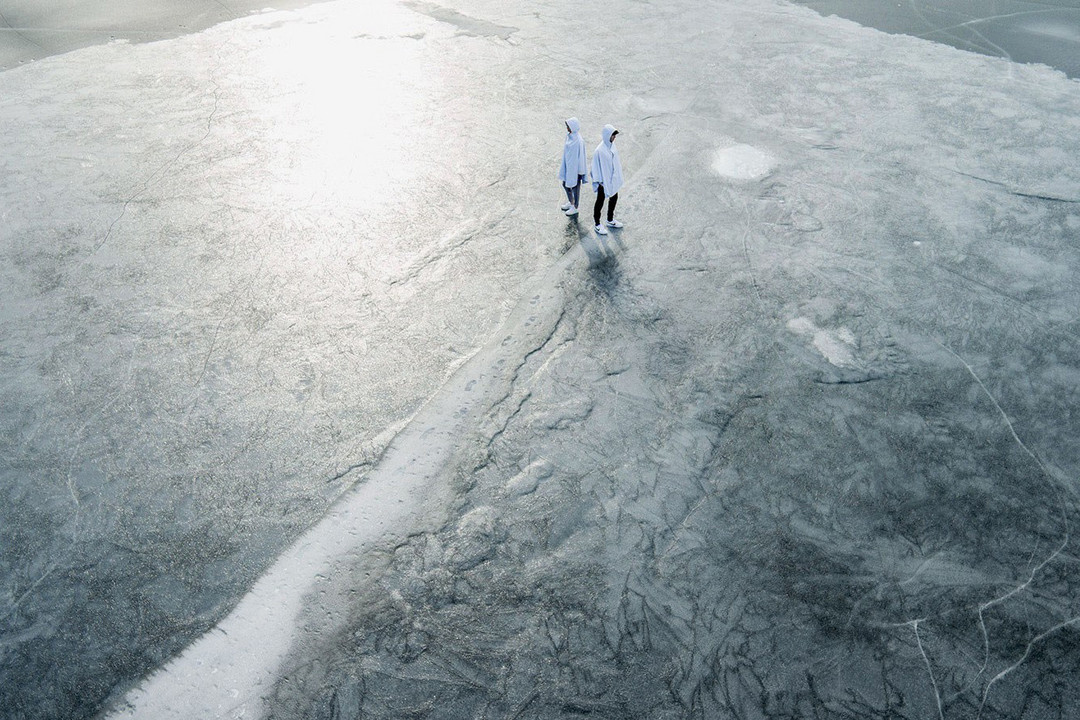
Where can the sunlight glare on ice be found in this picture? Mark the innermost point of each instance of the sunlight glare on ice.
(347, 104)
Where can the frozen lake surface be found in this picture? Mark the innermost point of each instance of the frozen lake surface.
(314, 405)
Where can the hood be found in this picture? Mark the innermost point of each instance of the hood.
(573, 124)
(609, 130)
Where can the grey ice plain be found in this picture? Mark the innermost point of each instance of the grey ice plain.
(315, 405)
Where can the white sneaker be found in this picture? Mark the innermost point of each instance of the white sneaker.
(572, 211)
(613, 223)
(565, 206)
(600, 230)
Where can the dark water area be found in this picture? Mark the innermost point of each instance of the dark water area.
(34, 29)
(1025, 32)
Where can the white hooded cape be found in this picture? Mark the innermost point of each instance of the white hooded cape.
(573, 156)
(606, 166)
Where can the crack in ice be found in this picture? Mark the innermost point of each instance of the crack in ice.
(148, 183)
(1059, 487)
(19, 32)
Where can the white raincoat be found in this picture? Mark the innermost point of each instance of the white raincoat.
(606, 167)
(573, 156)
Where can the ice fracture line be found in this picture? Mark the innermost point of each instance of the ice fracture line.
(1059, 486)
(161, 170)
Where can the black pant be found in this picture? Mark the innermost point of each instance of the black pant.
(600, 205)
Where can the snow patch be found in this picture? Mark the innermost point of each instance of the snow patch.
(742, 162)
(837, 346)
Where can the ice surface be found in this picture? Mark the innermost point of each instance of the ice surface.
(228, 671)
(224, 289)
(793, 446)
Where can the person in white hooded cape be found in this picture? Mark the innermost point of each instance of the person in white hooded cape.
(572, 169)
(607, 179)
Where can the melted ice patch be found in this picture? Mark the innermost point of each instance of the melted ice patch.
(837, 346)
(742, 162)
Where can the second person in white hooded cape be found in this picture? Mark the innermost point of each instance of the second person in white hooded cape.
(607, 179)
(572, 170)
